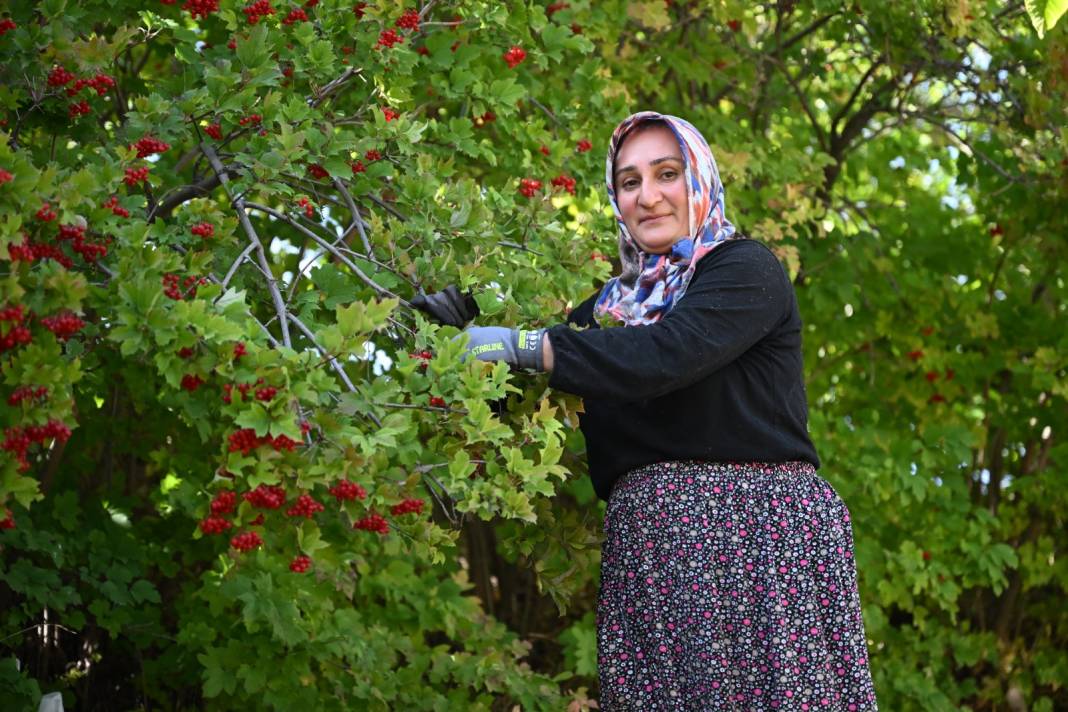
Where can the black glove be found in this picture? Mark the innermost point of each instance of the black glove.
(447, 307)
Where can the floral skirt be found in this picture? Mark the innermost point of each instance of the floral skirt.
(729, 586)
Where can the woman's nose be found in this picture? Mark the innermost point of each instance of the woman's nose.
(649, 194)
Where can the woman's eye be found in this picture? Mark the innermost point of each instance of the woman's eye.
(669, 175)
(630, 184)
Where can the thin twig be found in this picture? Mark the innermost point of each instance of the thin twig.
(237, 263)
(261, 255)
(357, 220)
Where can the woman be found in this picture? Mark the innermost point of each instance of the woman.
(727, 574)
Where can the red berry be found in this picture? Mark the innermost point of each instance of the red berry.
(926, 556)
(250, 119)
(256, 10)
(59, 76)
(191, 382)
(149, 146)
(389, 114)
(566, 182)
(305, 506)
(296, 15)
(556, 7)
(6, 25)
(214, 525)
(950, 373)
(372, 155)
(931, 376)
(735, 25)
(266, 394)
(529, 187)
(113, 204)
(246, 541)
(8, 522)
(358, 167)
(63, 326)
(135, 176)
(388, 38)
(373, 523)
(318, 171)
(239, 350)
(916, 355)
(937, 398)
(5, 177)
(45, 213)
(203, 229)
(438, 402)
(544, 149)
(345, 491)
(408, 506)
(214, 130)
(300, 564)
(583, 146)
(409, 21)
(201, 8)
(266, 497)
(514, 56)
(358, 10)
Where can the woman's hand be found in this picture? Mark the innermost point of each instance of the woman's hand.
(523, 348)
(448, 307)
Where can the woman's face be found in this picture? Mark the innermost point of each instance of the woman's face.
(650, 184)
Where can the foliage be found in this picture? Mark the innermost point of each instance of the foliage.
(214, 300)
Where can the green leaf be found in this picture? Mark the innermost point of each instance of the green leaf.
(1044, 14)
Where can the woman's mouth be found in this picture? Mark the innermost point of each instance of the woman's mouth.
(652, 219)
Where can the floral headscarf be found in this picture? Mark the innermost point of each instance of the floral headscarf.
(650, 285)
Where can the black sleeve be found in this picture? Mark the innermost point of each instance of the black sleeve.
(731, 303)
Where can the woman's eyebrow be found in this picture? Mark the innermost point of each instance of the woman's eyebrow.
(654, 162)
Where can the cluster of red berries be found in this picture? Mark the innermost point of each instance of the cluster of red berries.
(240, 350)
(529, 187)
(358, 167)
(18, 334)
(101, 83)
(358, 10)
(409, 21)
(31, 252)
(345, 491)
(45, 213)
(583, 146)
(186, 352)
(6, 25)
(60, 76)
(305, 506)
(309, 207)
(564, 181)
(317, 171)
(300, 564)
(178, 288)
(424, 357)
(243, 388)
(250, 119)
(63, 326)
(224, 502)
(148, 146)
(408, 506)
(27, 392)
(90, 251)
(201, 8)
(438, 402)
(204, 229)
(598, 257)
(388, 38)
(5, 177)
(113, 204)
(514, 56)
(265, 394)
(17, 440)
(296, 15)
(246, 440)
(8, 522)
(487, 118)
(78, 108)
(373, 523)
(214, 130)
(389, 114)
(373, 155)
(266, 497)
(258, 9)
(135, 176)
(555, 8)
(191, 382)
(246, 541)
(214, 525)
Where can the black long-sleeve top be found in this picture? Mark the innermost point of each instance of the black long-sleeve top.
(718, 378)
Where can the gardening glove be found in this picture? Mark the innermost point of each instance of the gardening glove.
(448, 307)
(518, 347)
